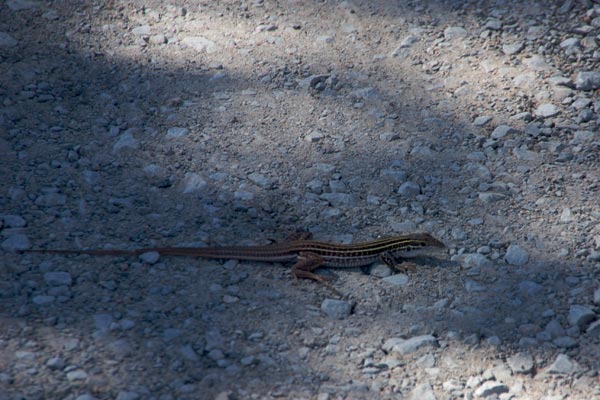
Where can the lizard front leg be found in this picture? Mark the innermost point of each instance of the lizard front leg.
(389, 259)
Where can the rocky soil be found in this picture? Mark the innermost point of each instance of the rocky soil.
(128, 124)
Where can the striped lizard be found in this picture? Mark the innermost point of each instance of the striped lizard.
(308, 255)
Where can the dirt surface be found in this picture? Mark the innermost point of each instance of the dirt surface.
(127, 124)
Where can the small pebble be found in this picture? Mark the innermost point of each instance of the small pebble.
(150, 257)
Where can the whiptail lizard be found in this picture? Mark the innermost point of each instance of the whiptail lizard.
(307, 255)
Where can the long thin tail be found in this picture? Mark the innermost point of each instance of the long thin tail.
(90, 252)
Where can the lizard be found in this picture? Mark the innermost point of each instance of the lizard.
(307, 255)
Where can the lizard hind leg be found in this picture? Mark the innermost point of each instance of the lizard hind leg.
(307, 263)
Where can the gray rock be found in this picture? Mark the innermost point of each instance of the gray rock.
(500, 372)
(103, 322)
(421, 151)
(454, 32)
(516, 255)
(260, 180)
(597, 297)
(554, 329)
(491, 388)
(55, 363)
(325, 168)
(594, 255)
(158, 39)
(566, 7)
(16, 243)
(536, 63)
(476, 260)
(547, 110)
(315, 186)
(452, 385)
(524, 154)
(513, 48)
(77, 375)
(177, 132)
(482, 120)
(478, 170)
(490, 197)
(248, 360)
(216, 355)
(408, 41)
(396, 279)
(493, 24)
(120, 348)
(380, 270)
(20, 5)
(521, 363)
(570, 43)
(338, 199)
(85, 396)
(423, 391)
(6, 40)
(58, 278)
(312, 81)
(535, 32)
(409, 189)
(337, 309)
(404, 226)
(594, 329)
(581, 102)
(171, 334)
(150, 257)
(143, 30)
(502, 131)
(565, 342)
(563, 365)
(265, 28)
(389, 136)
(188, 353)
(126, 141)
(314, 136)
(471, 286)
(126, 324)
(51, 200)
(24, 355)
(200, 44)
(13, 221)
(560, 81)
(587, 80)
(567, 215)
(581, 137)
(127, 395)
(243, 195)
(407, 346)
(530, 288)
(91, 177)
(193, 182)
(395, 174)
(213, 339)
(42, 300)
(580, 316)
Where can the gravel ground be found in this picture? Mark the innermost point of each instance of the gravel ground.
(128, 124)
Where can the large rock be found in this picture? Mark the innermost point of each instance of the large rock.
(587, 80)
